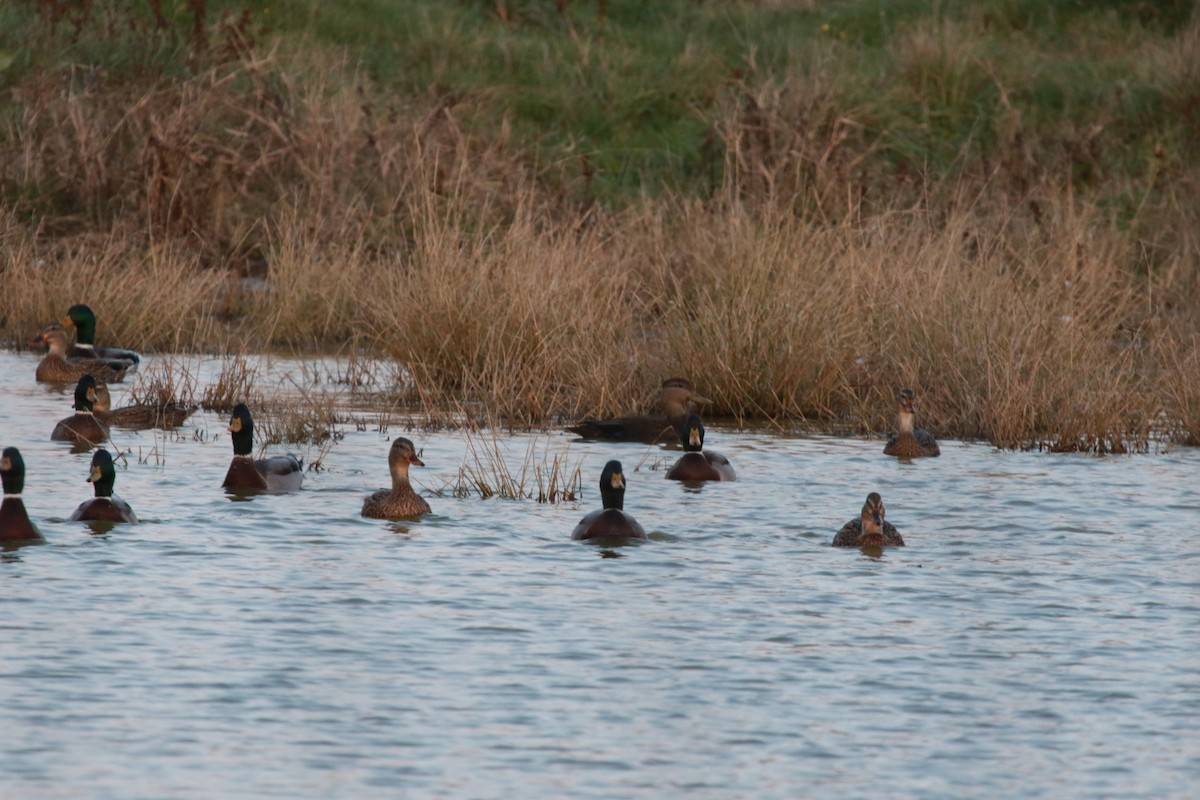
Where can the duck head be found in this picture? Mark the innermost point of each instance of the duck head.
(241, 430)
(85, 393)
(81, 318)
(691, 433)
(872, 515)
(102, 474)
(612, 486)
(401, 455)
(12, 471)
(677, 398)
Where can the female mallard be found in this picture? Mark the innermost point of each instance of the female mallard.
(105, 506)
(400, 501)
(14, 521)
(675, 397)
(275, 474)
(139, 416)
(698, 464)
(610, 523)
(81, 318)
(82, 427)
(870, 530)
(56, 368)
(910, 442)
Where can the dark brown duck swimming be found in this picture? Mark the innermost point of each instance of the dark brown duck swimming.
(910, 442)
(675, 397)
(139, 416)
(82, 427)
(399, 502)
(698, 464)
(248, 474)
(870, 529)
(15, 525)
(610, 524)
(81, 318)
(105, 506)
(57, 368)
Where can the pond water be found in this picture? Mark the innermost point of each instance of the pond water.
(1038, 637)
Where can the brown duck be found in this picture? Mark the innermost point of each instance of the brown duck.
(675, 397)
(139, 416)
(870, 530)
(82, 427)
(57, 368)
(399, 502)
(698, 464)
(910, 442)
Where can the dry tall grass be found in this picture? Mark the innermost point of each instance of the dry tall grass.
(266, 200)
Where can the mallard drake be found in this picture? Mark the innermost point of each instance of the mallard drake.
(14, 520)
(610, 523)
(81, 318)
(698, 464)
(870, 529)
(910, 442)
(275, 474)
(138, 416)
(399, 502)
(105, 506)
(675, 397)
(56, 368)
(82, 427)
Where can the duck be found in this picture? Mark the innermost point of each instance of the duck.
(57, 368)
(698, 464)
(910, 442)
(15, 525)
(870, 529)
(105, 506)
(139, 416)
(81, 318)
(82, 427)
(676, 399)
(246, 473)
(399, 502)
(610, 522)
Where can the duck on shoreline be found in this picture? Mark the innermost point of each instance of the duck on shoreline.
(675, 397)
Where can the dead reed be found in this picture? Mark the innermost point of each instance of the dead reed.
(542, 476)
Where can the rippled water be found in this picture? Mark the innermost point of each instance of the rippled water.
(1039, 636)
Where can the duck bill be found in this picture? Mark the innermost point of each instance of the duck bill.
(415, 461)
(93, 476)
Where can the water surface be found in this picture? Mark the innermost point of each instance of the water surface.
(1037, 638)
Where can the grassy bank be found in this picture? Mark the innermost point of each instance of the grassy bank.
(547, 207)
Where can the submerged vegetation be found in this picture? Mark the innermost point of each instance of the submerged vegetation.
(543, 207)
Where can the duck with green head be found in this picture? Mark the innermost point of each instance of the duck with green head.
(81, 318)
(246, 473)
(676, 399)
(55, 367)
(870, 529)
(910, 441)
(15, 525)
(698, 464)
(609, 524)
(399, 502)
(105, 506)
(82, 427)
